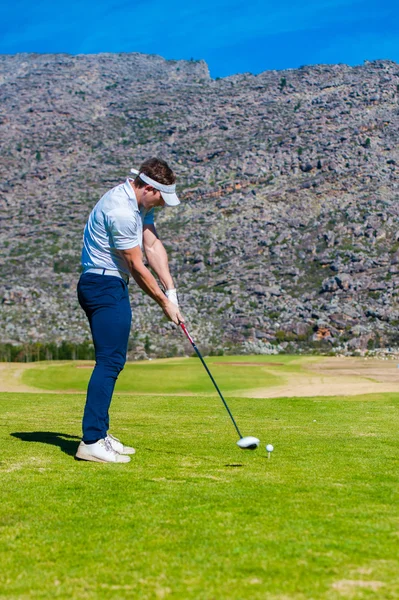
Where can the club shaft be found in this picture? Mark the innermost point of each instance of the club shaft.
(210, 375)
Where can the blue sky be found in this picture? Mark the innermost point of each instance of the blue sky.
(232, 36)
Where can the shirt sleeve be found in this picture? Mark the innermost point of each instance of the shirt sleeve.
(149, 217)
(123, 230)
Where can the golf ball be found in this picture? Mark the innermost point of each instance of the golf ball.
(269, 448)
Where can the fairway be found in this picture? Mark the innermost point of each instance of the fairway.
(192, 516)
(246, 376)
(174, 376)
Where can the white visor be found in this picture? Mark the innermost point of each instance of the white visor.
(168, 192)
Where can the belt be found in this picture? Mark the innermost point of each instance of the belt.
(113, 272)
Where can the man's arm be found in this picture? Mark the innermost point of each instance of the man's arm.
(156, 256)
(144, 278)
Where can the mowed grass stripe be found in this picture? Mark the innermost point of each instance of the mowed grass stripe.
(183, 376)
(193, 516)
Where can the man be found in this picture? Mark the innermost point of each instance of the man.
(118, 227)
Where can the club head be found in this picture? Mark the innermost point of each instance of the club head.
(248, 443)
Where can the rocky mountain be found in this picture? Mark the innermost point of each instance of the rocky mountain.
(288, 234)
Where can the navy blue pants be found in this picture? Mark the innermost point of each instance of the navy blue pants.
(105, 300)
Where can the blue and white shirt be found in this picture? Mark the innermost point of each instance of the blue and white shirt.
(115, 223)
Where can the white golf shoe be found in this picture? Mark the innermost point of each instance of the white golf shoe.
(118, 446)
(101, 451)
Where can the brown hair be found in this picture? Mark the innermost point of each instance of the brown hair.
(157, 169)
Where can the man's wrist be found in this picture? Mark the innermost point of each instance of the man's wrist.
(163, 301)
(171, 295)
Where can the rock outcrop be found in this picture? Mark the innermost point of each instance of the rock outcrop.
(288, 233)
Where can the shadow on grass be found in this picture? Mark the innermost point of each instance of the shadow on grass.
(67, 443)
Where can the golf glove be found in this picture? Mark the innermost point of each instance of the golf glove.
(172, 296)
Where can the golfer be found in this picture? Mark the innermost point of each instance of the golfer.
(119, 227)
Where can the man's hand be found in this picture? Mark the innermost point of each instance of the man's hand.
(173, 313)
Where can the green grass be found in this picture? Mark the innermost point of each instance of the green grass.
(194, 517)
(184, 376)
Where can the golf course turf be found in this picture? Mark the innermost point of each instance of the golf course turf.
(193, 516)
(179, 376)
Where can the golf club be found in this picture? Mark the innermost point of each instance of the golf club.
(246, 443)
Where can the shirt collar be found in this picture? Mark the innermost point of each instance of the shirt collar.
(130, 192)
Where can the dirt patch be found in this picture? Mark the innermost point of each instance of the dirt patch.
(336, 376)
(10, 377)
(371, 369)
(318, 387)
